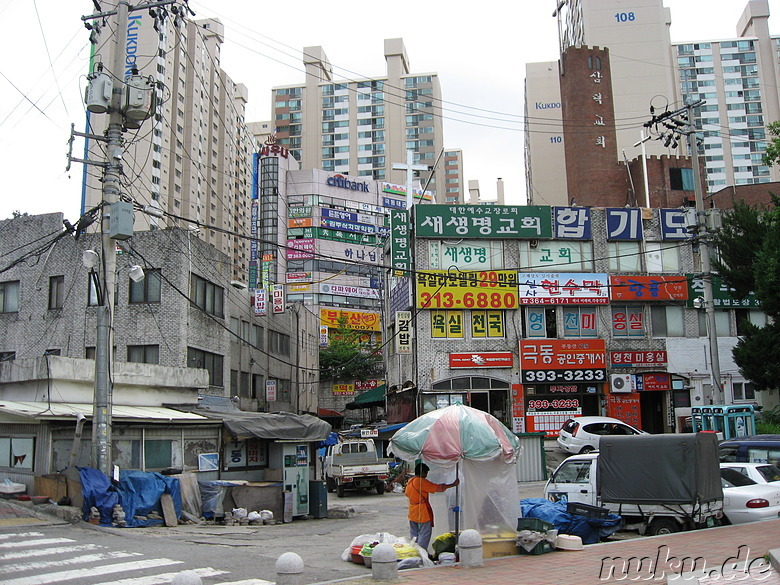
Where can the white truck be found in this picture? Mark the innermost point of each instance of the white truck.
(355, 464)
(658, 484)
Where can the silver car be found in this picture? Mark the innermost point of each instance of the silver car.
(582, 434)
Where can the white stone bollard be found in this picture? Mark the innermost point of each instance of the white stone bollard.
(187, 578)
(470, 548)
(289, 569)
(384, 562)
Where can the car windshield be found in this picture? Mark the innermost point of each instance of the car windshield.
(769, 472)
(733, 478)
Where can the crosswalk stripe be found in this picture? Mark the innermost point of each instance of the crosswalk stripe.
(248, 582)
(42, 552)
(163, 577)
(45, 578)
(35, 542)
(20, 535)
(70, 561)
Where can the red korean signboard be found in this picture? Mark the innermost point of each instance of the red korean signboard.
(625, 407)
(638, 358)
(496, 359)
(557, 361)
(648, 288)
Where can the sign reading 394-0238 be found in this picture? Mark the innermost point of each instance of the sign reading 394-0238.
(551, 376)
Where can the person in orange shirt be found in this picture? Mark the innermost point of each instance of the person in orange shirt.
(418, 489)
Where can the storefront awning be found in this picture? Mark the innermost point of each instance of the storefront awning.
(373, 397)
(275, 426)
(328, 413)
(11, 410)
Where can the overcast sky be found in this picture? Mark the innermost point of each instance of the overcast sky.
(479, 52)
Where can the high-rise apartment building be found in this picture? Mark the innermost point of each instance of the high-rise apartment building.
(361, 127)
(737, 78)
(453, 177)
(192, 158)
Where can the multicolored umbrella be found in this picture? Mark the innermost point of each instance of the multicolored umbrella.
(447, 435)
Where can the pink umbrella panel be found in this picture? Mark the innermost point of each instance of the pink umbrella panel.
(456, 432)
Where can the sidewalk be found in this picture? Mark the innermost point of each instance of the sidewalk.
(13, 513)
(650, 560)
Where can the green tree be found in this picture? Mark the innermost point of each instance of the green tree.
(749, 261)
(347, 357)
(773, 146)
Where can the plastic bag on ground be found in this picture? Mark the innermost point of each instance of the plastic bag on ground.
(239, 513)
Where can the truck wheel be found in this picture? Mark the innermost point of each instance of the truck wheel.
(331, 484)
(340, 490)
(380, 487)
(663, 526)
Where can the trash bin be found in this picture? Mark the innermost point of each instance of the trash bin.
(318, 499)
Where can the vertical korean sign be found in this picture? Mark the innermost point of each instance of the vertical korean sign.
(261, 301)
(270, 390)
(403, 331)
(400, 242)
(277, 298)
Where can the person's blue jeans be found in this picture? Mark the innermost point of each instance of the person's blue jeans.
(422, 531)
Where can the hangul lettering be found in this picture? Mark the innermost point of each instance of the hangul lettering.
(507, 226)
(485, 225)
(551, 286)
(434, 221)
(635, 321)
(571, 287)
(461, 224)
(619, 322)
(531, 223)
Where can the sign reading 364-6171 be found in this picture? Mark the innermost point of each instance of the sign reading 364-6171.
(552, 376)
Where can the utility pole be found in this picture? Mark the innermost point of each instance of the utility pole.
(128, 99)
(674, 128)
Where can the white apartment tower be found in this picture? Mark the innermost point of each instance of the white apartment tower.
(192, 158)
(739, 81)
(361, 127)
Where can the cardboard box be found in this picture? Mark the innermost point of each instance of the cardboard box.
(493, 547)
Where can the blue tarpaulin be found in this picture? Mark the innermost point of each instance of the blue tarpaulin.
(137, 492)
(590, 530)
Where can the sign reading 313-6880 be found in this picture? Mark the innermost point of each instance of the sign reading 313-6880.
(552, 376)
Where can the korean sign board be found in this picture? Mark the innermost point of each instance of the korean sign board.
(563, 289)
(721, 293)
(359, 321)
(403, 332)
(638, 358)
(555, 361)
(648, 288)
(261, 301)
(489, 289)
(349, 291)
(625, 223)
(277, 298)
(483, 221)
(400, 243)
(493, 359)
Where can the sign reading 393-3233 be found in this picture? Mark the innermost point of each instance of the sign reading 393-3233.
(550, 376)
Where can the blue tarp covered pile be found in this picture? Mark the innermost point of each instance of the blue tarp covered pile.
(137, 492)
(590, 530)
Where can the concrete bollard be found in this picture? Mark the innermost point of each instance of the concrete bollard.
(384, 563)
(470, 548)
(289, 569)
(187, 578)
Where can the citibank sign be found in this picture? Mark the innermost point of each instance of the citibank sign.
(344, 183)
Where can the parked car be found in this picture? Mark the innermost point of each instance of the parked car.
(581, 434)
(744, 500)
(758, 472)
(754, 449)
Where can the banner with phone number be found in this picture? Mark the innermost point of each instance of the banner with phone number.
(483, 289)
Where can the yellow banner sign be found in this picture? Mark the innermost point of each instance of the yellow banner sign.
(355, 320)
(479, 289)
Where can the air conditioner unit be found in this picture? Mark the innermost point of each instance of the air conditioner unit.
(621, 383)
